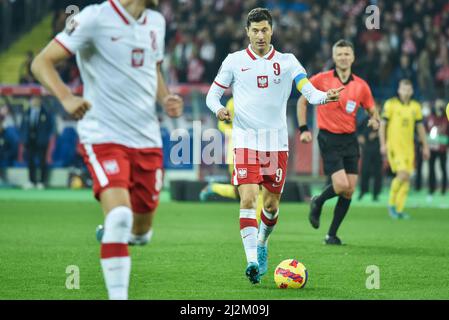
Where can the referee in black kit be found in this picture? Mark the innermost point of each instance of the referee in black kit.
(337, 139)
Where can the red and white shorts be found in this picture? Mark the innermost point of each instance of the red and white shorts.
(268, 168)
(117, 166)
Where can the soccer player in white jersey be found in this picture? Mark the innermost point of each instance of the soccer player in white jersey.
(261, 80)
(119, 46)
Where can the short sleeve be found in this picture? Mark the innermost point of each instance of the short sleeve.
(79, 31)
(386, 112)
(418, 113)
(367, 101)
(297, 70)
(225, 74)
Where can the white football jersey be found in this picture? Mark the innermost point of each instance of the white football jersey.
(117, 56)
(261, 87)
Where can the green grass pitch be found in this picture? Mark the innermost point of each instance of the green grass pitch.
(196, 252)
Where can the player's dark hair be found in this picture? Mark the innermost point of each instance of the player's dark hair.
(343, 43)
(258, 15)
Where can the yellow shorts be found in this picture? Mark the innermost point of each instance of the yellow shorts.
(401, 161)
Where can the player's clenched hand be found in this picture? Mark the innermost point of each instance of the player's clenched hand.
(224, 115)
(173, 105)
(383, 150)
(374, 124)
(76, 106)
(333, 94)
(305, 137)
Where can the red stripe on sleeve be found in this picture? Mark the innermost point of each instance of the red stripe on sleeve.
(220, 85)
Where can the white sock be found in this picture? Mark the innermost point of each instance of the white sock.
(141, 239)
(248, 232)
(266, 226)
(115, 260)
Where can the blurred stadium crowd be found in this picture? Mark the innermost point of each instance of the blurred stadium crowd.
(412, 40)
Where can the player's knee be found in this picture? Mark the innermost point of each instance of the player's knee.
(248, 202)
(271, 206)
(403, 176)
(114, 197)
(348, 194)
(350, 191)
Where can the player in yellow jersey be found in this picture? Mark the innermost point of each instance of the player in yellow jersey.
(400, 116)
(222, 189)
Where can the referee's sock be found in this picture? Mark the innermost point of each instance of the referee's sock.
(327, 194)
(340, 211)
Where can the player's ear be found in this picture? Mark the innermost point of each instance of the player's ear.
(247, 31)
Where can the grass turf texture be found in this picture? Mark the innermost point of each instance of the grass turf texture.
(196, 252)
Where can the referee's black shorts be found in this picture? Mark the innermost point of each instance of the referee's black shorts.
(339, 151)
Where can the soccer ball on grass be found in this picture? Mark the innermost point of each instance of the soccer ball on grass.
(290, 274)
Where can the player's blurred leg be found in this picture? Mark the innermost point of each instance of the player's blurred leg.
(377, 176)
(224, 190)
(142, 231)
(432, 176)
(147, 176)
(402, 193)
(115, 259)
(443, 161)
(394, 188)
(248, 228)
(402, 198)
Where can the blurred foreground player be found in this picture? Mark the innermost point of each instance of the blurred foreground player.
(400, 117)
(337, 136)
(261, 80)
(119, 45)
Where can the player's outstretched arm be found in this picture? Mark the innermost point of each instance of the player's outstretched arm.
(312, 94)
(301, 113)
(43, 68)
(172, 103)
